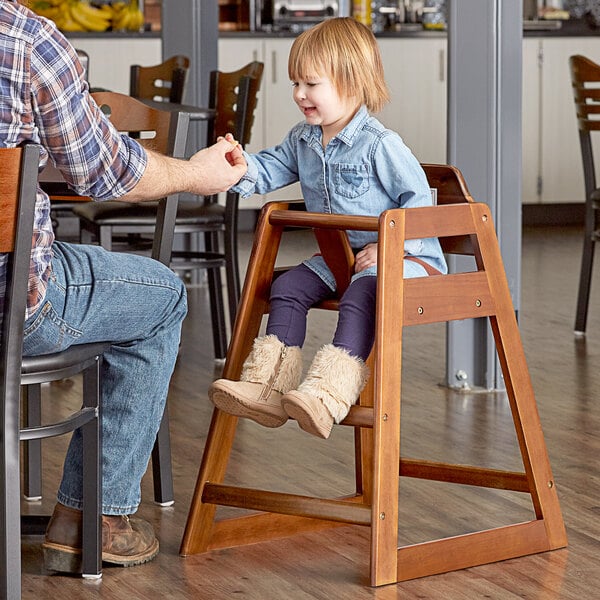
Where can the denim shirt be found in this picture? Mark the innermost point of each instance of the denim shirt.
(364, 170)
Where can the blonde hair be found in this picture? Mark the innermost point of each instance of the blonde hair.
(346, 51)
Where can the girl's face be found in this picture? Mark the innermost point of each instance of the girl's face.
(321, 105)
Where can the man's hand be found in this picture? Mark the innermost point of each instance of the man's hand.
(217, 167)
(367, 257)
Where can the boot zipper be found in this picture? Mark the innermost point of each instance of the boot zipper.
(266, 391)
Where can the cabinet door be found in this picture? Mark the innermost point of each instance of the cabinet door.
(107, 67)
(415, 71)
(562, 171)
(531, 121)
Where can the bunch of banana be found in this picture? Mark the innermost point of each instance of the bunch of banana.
(127, 16)
(46, 8)
(90, 18)
(80, 15)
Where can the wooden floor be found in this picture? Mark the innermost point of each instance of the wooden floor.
(438, 423)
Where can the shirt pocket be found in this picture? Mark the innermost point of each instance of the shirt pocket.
(351, 181)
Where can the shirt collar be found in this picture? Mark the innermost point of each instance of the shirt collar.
(346, 135)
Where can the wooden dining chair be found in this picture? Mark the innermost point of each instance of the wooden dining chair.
(164, 131)
(585, 80)
(233, 96)
(163, 82)
(464, 227)
(18, 177)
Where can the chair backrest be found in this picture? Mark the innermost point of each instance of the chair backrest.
(164, 82)
(233, 95)
(163, 131)
(18, 179)
(585, 80)
(84, 59)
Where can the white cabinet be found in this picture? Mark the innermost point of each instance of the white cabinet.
(110, 59)
(552, 169)
(415, 71)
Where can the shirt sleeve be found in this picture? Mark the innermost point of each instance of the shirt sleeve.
(270, 169)
(93, 157)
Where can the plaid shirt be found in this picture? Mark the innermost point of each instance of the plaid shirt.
(44, 99)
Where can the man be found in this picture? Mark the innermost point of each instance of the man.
(79, 294)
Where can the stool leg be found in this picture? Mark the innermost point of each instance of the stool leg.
(92, 477)
(162, 471)
(32, 451)
(585, 280)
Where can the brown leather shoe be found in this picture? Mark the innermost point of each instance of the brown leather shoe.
(126, 541)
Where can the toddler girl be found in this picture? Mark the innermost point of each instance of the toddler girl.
(347, 162)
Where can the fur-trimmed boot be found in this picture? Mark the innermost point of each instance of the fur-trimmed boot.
(332, 385)
(271, 369)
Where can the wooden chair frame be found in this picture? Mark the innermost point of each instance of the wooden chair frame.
(585, 80)
(18, 180)
(464, 227)
(150, 82)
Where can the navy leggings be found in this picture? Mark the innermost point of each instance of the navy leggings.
(294, 292)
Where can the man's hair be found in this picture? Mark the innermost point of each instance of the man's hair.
(346, 51)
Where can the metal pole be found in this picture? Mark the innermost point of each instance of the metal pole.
(484, 142)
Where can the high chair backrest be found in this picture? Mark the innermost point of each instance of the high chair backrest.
(447, 186)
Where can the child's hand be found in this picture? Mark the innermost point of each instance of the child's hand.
(236, 152)
(367, 257)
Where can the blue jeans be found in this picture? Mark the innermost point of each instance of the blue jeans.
(138, 304)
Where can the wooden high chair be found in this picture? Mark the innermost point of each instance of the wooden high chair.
(464, 227)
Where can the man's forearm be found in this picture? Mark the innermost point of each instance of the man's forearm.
(163, 176)
(211, 170)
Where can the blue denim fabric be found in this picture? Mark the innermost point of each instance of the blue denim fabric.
(365, 170)
(138, 304)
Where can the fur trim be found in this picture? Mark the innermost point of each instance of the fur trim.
(269, 360)
(290, 370)
(336, 378)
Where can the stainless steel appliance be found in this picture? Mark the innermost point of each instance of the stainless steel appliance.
(297, 15)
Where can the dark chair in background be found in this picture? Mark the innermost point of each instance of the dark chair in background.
(166, 132)
(233, 96)
(585, 78)
(164, 82)
(18, 168)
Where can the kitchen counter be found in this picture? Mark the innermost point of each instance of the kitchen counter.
(568, 28)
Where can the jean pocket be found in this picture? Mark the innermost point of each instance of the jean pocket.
(351, 180)
(48, 333)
